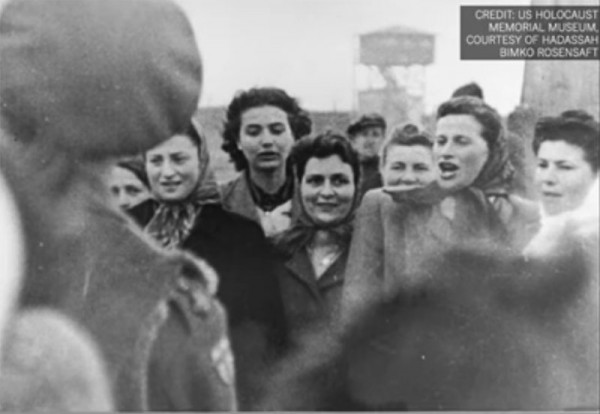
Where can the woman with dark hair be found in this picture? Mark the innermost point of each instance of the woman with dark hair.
(567, 151)
(186, 214)
(262, 125)
(128, 183)
(314, 250)
(468, 204)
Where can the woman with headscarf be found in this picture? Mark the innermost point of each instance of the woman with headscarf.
(83, 83)
(399, 229)
(314, 250)
(186, 214)
(262, 125)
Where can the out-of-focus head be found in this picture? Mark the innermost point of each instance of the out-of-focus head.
(470, 144)
(328, 170)
(567, 154)
(261, 126)
(128, 183)
(97, 79)
(469, 89)
(407, 158)
(367, 134)
(12, 247)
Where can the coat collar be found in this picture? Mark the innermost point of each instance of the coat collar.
(236, 198)
(300, 267)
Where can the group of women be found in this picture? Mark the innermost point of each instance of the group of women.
(296, 249)
(293, 251)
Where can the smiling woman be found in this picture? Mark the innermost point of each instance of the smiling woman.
(314, 250)
(187, 214)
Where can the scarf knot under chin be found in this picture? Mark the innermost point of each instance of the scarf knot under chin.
(172, 223)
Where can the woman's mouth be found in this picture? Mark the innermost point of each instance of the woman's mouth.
(268, 156)
(448, 170)
(170, 186)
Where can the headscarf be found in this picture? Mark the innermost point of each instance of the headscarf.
(173, 222)
(495, 177)
(303, 228)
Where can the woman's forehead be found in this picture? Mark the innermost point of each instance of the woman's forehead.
(262, 115)
(458, 124)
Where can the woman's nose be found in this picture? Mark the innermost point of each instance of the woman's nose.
(267, 139)
(327, 190)
(167, 169)
(549, 176)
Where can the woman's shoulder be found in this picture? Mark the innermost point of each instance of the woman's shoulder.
(228, 221)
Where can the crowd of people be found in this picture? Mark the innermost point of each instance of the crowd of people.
(376, 268)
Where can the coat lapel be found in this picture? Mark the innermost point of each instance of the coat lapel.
(237, 199)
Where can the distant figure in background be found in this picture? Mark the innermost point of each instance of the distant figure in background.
(469, 89)
(367, 134)
(83, 83)
(406, 158)
(128, 183)
(567, 149)
(314, 250)
(262, 125)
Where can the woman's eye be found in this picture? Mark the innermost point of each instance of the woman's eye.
(156, 161)
(542, 164)
(440, 140)
(566, 167)
(421, 167)
(314, 180)
(339, 181)
(253, 131)
(277, 129)
(398, 167)
(462, 140)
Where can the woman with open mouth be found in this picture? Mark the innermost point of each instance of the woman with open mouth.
(469, 204)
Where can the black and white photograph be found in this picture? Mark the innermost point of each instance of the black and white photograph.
(299, 205)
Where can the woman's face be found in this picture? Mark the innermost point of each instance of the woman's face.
(563, 176)
(173, 168)
(126, 189)
(327, 189)
(460, 151)
(408, 166)
(266, 138)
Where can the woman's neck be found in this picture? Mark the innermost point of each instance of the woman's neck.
(322, 238)
(269, 182)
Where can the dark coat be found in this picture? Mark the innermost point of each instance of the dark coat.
(308, 301)
(237, 249)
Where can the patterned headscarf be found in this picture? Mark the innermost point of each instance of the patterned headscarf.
(172, 222)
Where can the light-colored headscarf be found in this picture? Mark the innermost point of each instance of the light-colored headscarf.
(173, 222)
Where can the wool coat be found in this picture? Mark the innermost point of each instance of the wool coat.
(132, 80)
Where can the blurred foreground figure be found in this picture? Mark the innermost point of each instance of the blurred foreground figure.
(83, 82)
(46, 362)
(487, 333)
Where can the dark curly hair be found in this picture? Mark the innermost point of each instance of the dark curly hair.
(575, 127)
(323, 146)
(298, 118)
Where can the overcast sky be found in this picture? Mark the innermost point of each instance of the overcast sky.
(308, 48)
